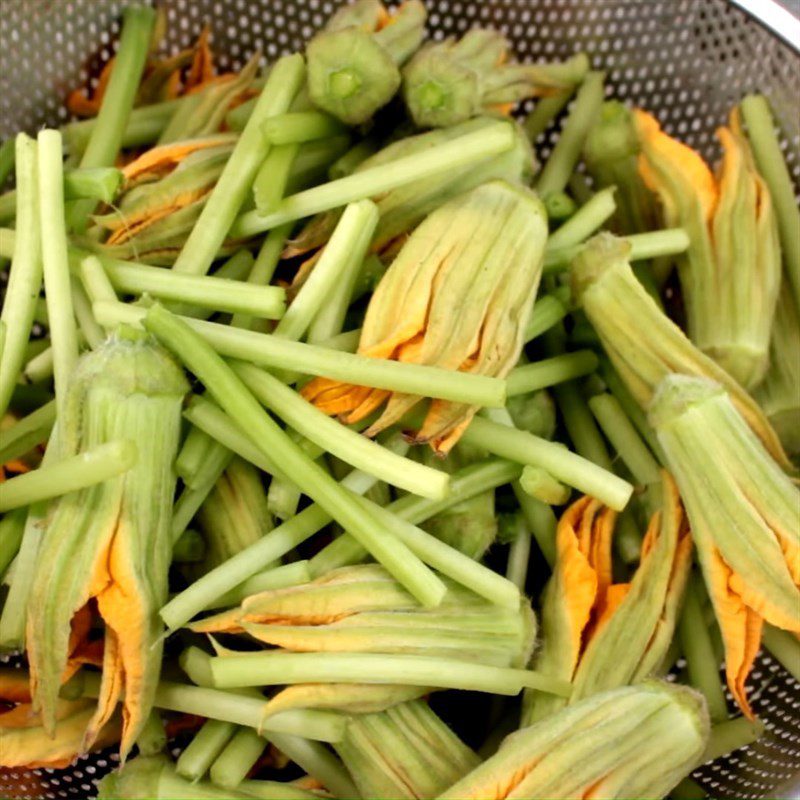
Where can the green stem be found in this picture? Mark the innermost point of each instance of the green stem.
(264, 267)
(772, 165)
(542, 486)
(581, 428)
(143, 127)
(219, 294)
(565, 155)
(283, 497)
(701, 665)
(269, 185)
(464, 485)
(784, 647)
(579, 187)
(293, 574)
(455, 154)
(547, 312)
(731, 735)
(348, 163)
(87, 324)
(24, 435)
(447, 560)
(329, 434)
(633, 411)
(544, 112)
(202, 751)
(569, 468)
(192, 455)
(560, 207)
(622, 434)
(348, 243)
(68, 475)
(319, 762)
(278, 353)
(107, 132)
(232, 186)
(667, 242)
(153, 738)
(239, 403)
(240, 709)
(519, 554)
(296, 127)
(589, 218)
(282, 668)
(551, 371)
(541, 521)
(95, 281)
(347, 341)
(11, 528)
(25, 274)
(216, 460)
(237, 758)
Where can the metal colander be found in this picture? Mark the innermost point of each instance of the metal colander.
(688, 61)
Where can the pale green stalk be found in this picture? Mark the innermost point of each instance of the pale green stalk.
(205, 291)
(232, 186)
(547, 312)
(622, 434)
(772, 166)
(455, 154)
(68, 475)
(644, 246)
(565, 155)
(233, 396)
(275, 352)
(519, 554)
(192, 454)
(551, 371)
(464, 485)
(318, 761)
(283, 668)
(544, 112)
(269, 185)
(238, 708)
(30, 431)
(25, 274)
(152, 739)
(591, 216)
(202, 751)
(293, 574)
(572, 469)
(348, 243)
(237, 758)
(108, 130)
(92, 333)
(264, 267)
(357, 450)
(541, 520)
(95, 281)
(11, 528)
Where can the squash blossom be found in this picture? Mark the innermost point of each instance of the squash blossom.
(457, 296)
(599, 634)
(404, 752)
(354, 63)
(744, 513)
(643, 344)
(24, 742)
(636, 741)
(164, 191)
(109, 545)
(779, 392)
(731, 273)
(450, 81)
(402, 209)
(362, 609)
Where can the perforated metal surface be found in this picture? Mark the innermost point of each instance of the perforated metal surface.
(686, 60)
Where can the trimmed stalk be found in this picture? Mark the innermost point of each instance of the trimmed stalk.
(202, 751)
(230, 191)
(237, 758)
(30, 431)
(589, 218)
(275, 352)
(68, 475)
(455, 154)
(551, 371)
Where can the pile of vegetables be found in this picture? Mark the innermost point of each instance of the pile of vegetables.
(362, 455)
